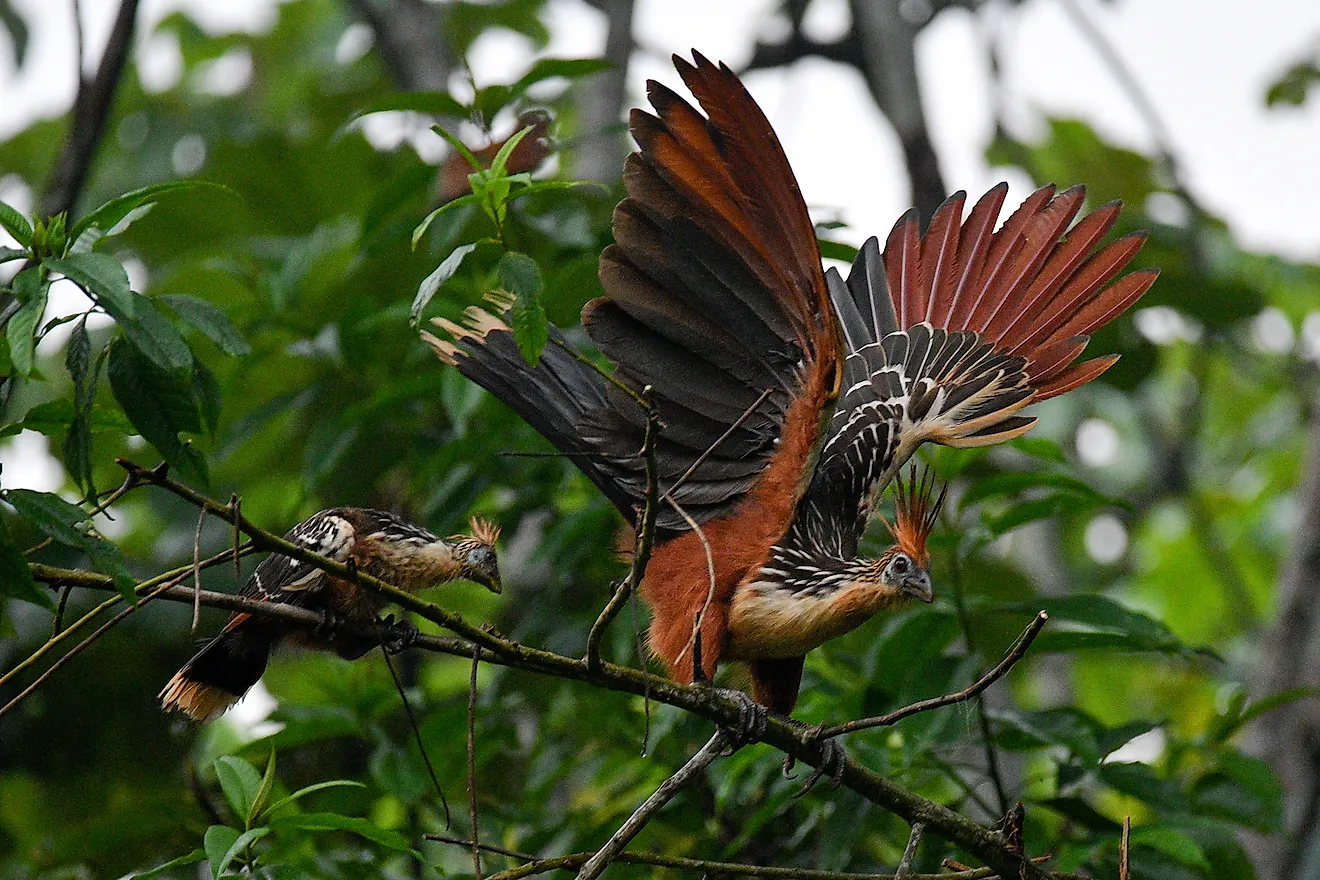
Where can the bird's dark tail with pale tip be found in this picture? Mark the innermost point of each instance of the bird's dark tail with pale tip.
(222, 672)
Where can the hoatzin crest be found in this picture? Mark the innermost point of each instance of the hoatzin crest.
(377, 543)
(789, 396)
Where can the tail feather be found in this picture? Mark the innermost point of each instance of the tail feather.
(222, 672)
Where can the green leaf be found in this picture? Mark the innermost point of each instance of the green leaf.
(1004, 485)
(154, 336)
(499, 164)
(435, 103)
(7, 253)
(457, 143)
(1293, 87)
(1030, 511)
(570, 68)
(335, 822)
(30, 289)
(160, 405)
(55, 416)
(15, 576)
(102, 276)
(16, 225)
(433, 282)
(263, 793)
(67, 523)
(217, 841)
(211, 321)
(520, 276)
(461, 201)
(78, 440)
(837, 250)
(242, 842)
(1140, 782)
(191, 858)
(303, 792)
(1040, 447)
(1242, 789)
(1172, 843)
(1107, 625)
(116, 215)
(240, 782)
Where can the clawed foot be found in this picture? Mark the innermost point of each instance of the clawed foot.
(752, 717)
(396, 636)
(833, 757)
(328, 626)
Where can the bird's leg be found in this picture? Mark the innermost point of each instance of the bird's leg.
(833, 757)
(329, 624)
(396, 636)
(752, 716)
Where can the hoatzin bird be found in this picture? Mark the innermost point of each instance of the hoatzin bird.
(789, 396)
(373, 541)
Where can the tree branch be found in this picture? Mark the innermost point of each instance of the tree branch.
(537, 865)
(91, 108)
(705, 702)
(1017, 652)
(718, 745)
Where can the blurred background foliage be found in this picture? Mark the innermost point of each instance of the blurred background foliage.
(1151, 513)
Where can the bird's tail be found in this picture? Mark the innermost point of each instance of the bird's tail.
(555, 397)
(222, 672)
(970, 324)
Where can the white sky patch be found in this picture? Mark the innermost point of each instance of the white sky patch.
(227, 75)
(1097, 443)
(1146, 749)
(355, 42)
(1272, 332)
(1106, 539)
(248, 716)
(26, 463)
(189, 155)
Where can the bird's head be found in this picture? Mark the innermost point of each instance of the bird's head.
(905, 566)
(476, 554)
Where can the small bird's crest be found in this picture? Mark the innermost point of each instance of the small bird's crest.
(915, 512)
(485, 531)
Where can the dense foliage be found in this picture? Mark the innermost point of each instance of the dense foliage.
(249, 313)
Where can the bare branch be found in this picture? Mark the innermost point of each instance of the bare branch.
(472, 761)
(91, 107)
(904, 869)
(719, 744)
(1018, 651)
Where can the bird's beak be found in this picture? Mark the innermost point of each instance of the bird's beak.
(917, 585)
(488, 578)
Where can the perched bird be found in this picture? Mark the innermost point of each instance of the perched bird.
(790, 397)
(373, 541)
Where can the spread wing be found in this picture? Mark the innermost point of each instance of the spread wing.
(281, 579)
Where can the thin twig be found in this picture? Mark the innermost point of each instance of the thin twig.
(416, 728)
(59, 611)
(719, 744)
(235, 504)
(982, 719)
(91, 109)
(98, 581)
(710, 591)
(197, 571)
(738, 423)
(645, 535)
(472, 761)
(1123, 849)
(904, 869)
(1017, 652)
(84, 644)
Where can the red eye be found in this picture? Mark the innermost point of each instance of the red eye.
(900, 564)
